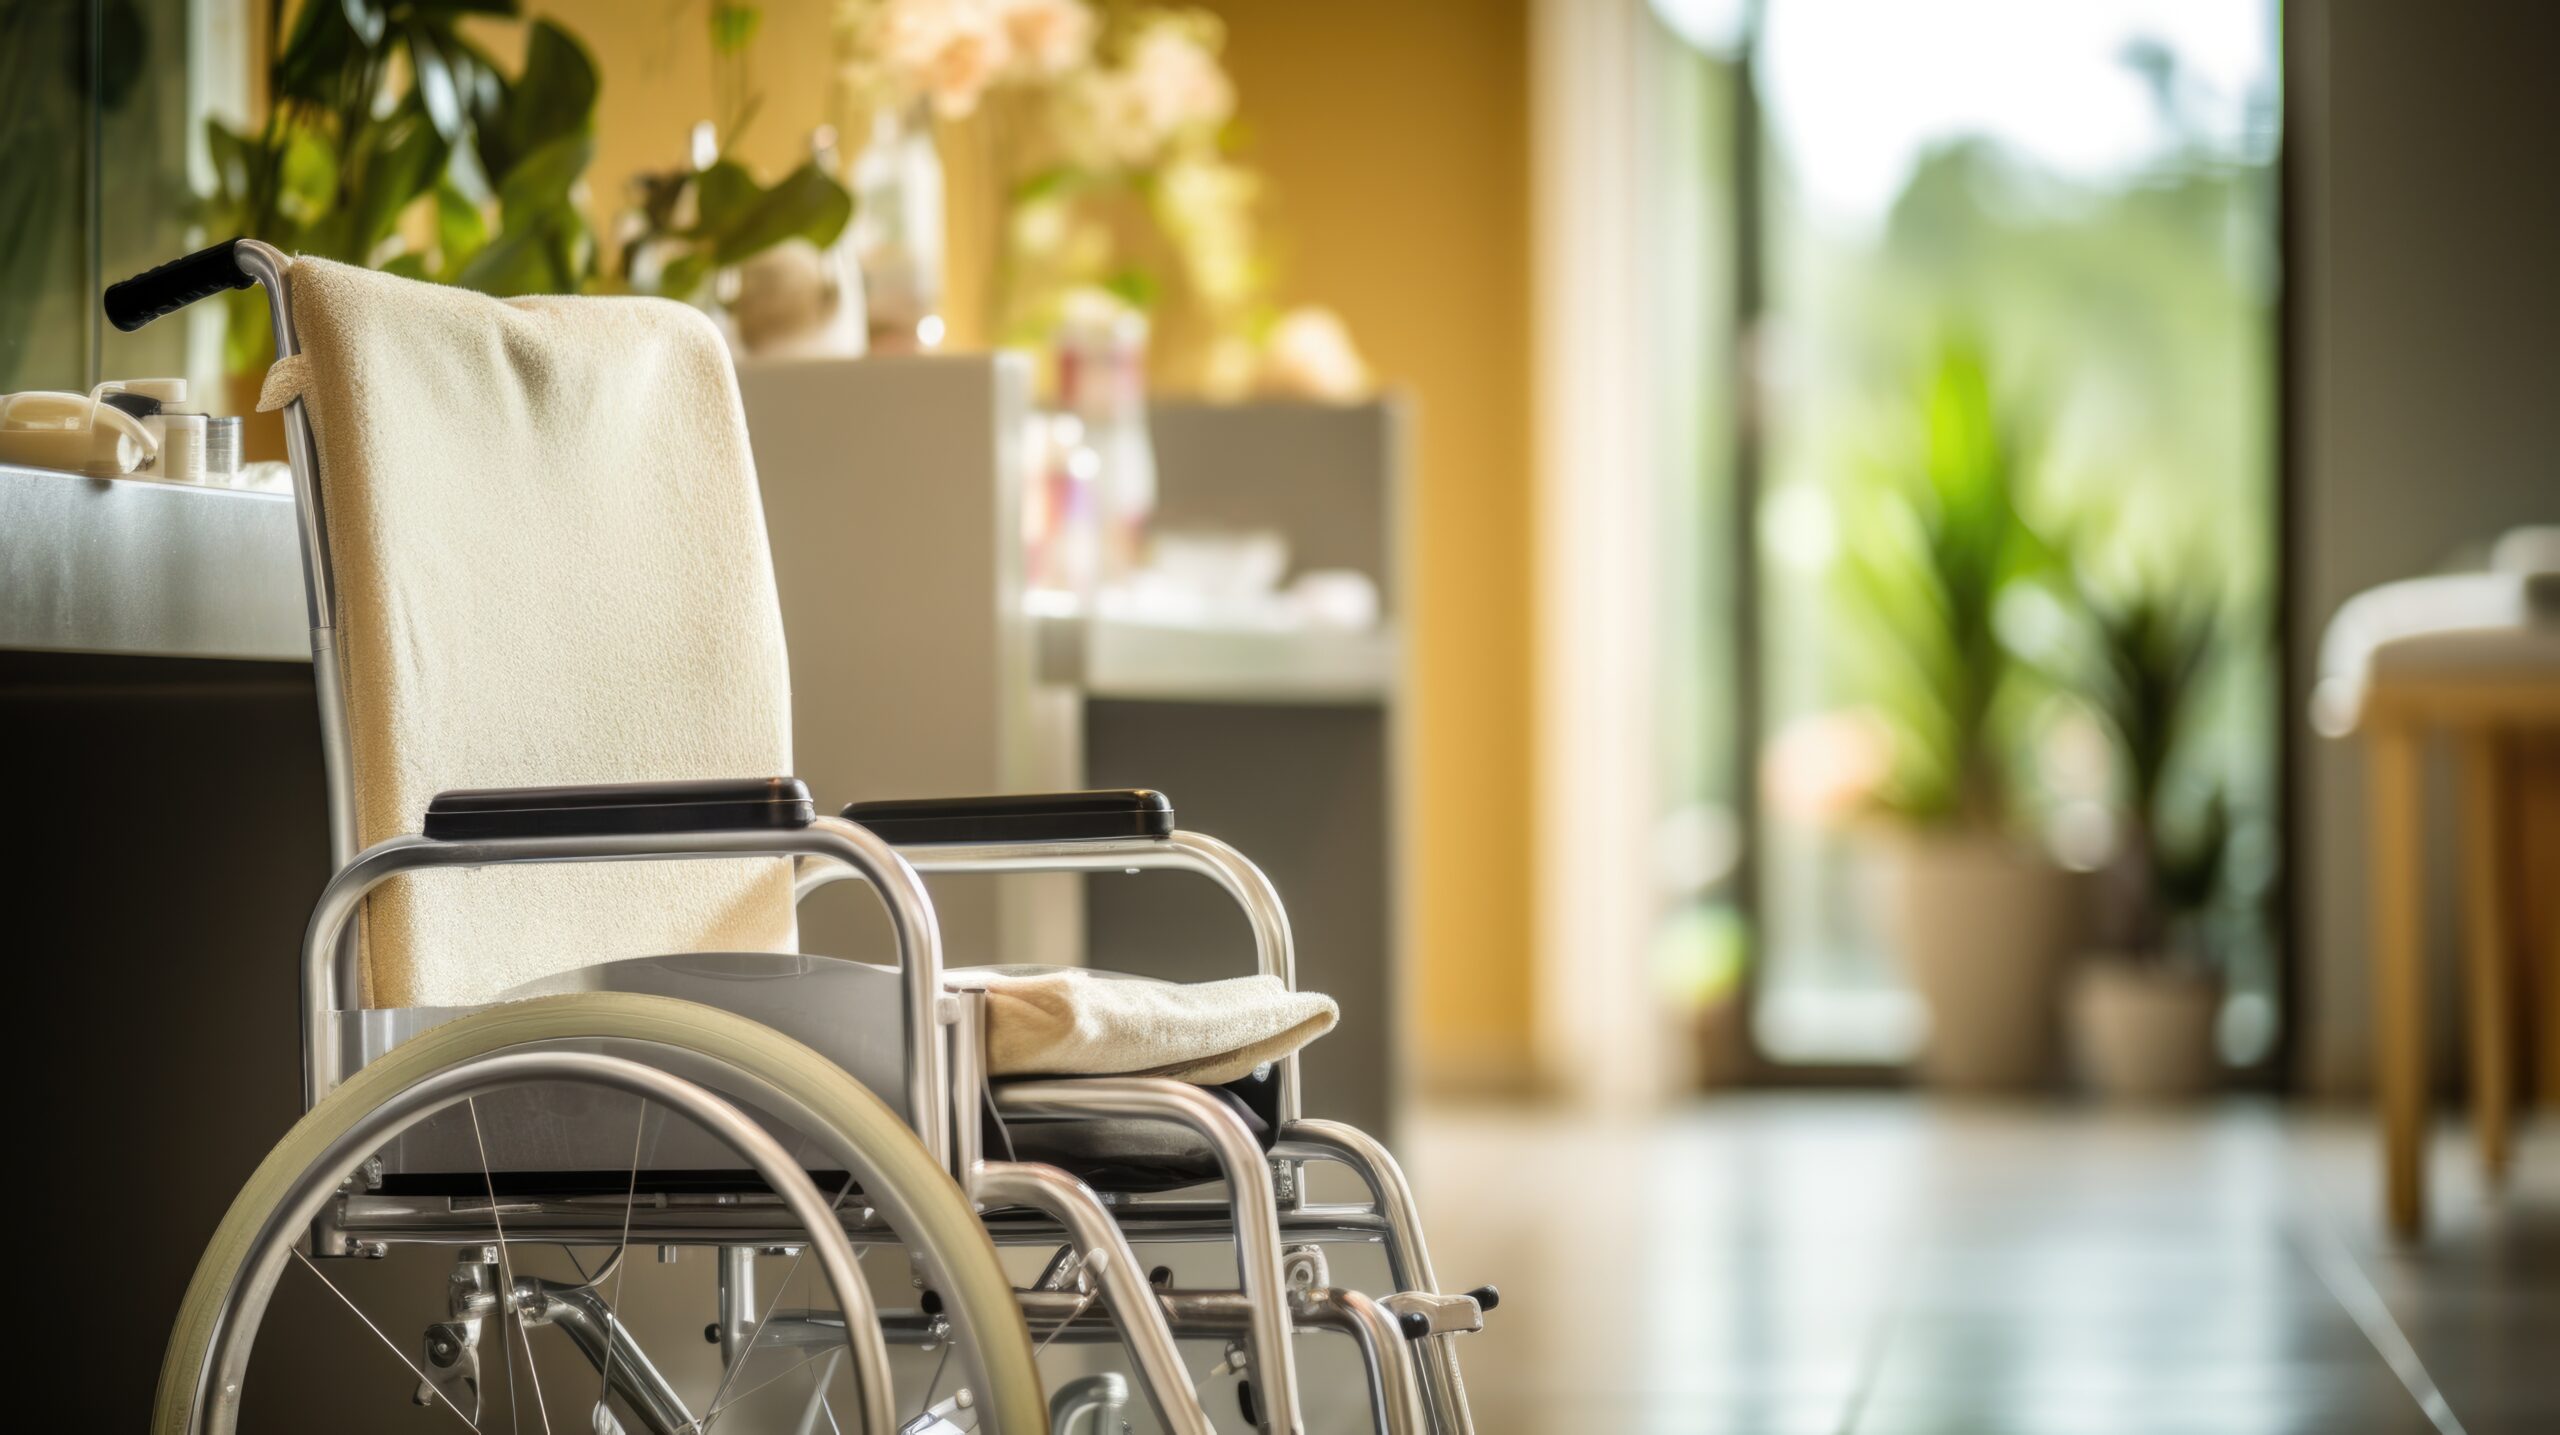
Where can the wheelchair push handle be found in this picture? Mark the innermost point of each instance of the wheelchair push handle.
(134, 302)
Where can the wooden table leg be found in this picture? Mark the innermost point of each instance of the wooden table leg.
(2488, 951)
(2535, 761)
(2399, 974)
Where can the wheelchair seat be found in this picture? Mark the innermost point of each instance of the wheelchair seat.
(1070, 1022)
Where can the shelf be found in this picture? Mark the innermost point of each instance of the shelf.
(1125, 661)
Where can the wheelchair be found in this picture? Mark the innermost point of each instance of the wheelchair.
(553, 1000)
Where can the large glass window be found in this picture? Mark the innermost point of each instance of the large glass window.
(2080, 199)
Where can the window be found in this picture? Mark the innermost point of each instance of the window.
(2083, 195)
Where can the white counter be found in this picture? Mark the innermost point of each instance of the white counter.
(133, 566)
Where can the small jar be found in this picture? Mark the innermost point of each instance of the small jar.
(222, 451)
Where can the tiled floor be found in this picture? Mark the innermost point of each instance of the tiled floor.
(1820, 1265)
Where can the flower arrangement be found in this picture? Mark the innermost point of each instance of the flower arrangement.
(1111, 141)
(950, 53)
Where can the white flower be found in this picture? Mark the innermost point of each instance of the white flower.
(1173, 71)
(948, 51)
(1049, 38)
(1167, 87)
(1040, 226)
(1310, 355)
(1100, 125)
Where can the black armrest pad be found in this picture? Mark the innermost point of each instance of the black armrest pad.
(1019, 817)
(723, 804)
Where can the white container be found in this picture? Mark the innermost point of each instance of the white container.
(181, 447)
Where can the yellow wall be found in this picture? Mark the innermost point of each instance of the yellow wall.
(1395, 137)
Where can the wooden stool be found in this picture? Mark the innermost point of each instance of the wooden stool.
(2473, 659)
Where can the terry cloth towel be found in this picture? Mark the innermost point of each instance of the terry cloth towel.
(550, 567)
(1069, 1021)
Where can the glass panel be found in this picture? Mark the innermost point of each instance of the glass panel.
(2083, 196)
(102, 107)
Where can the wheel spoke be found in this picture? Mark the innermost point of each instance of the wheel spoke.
(757, 1331)
(507, 1306)
(722, 1407)
(613, 1303)
(388, 1343)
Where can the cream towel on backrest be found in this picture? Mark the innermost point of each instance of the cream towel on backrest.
(550, 567)
(1068, 1021)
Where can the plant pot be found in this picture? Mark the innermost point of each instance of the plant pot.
(1982, 930)
(2144, 1030)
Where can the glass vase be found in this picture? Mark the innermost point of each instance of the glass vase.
(897, 229)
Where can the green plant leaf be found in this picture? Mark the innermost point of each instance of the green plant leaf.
(806, 204)
(366, 19)
(554, 97)
(543, 179)
(402, 157)
(437, 87)
(461, 231)
(229, 150)
(319, 57)
(518, 261)
(1931, 542)
(722, 195)
(307, 176)
(685, 275)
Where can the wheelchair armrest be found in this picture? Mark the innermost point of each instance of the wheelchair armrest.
(1120, 814)
(724, 804)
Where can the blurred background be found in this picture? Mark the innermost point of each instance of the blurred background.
(1756, 569)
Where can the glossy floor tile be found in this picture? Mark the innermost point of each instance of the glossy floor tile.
(1882, 1265)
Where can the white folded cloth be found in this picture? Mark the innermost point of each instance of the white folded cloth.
(1071, 1021)
(2501, 626)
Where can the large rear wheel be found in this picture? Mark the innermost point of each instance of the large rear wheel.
(685, 1062)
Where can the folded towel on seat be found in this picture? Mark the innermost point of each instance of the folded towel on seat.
(1071, 1021)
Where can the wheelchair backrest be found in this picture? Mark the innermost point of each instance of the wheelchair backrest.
(547, 564)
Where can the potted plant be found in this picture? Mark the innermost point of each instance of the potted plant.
(767, 262)
(2145, 1006)
(392, 140)
(1932, 545)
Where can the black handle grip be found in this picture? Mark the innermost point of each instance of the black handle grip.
(174, 285)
